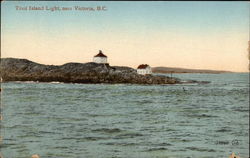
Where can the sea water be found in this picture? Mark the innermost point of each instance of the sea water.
(56, 120)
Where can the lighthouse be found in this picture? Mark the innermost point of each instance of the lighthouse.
(100, 58)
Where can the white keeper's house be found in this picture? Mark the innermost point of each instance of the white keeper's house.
(144, 69)
(100, 58)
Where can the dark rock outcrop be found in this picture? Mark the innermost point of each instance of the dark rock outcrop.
(12, 69)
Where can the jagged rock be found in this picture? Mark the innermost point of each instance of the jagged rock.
(12, 69)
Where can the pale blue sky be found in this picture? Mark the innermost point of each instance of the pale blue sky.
(196, 17)
(135, 20)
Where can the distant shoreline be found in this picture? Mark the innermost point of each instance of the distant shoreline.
(168, 70)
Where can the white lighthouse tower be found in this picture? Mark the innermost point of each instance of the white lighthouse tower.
(100, 58)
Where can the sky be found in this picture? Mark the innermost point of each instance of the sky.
(198, 35)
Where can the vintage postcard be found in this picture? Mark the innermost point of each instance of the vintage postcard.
(123, 79)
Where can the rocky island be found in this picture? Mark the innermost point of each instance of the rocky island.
(13, 69)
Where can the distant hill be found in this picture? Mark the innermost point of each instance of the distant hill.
(183, 70)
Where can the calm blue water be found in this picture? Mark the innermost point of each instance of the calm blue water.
(129, 121)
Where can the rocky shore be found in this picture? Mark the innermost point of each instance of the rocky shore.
(12, 69)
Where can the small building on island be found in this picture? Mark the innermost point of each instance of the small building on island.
(100, 58)
(144, 69)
